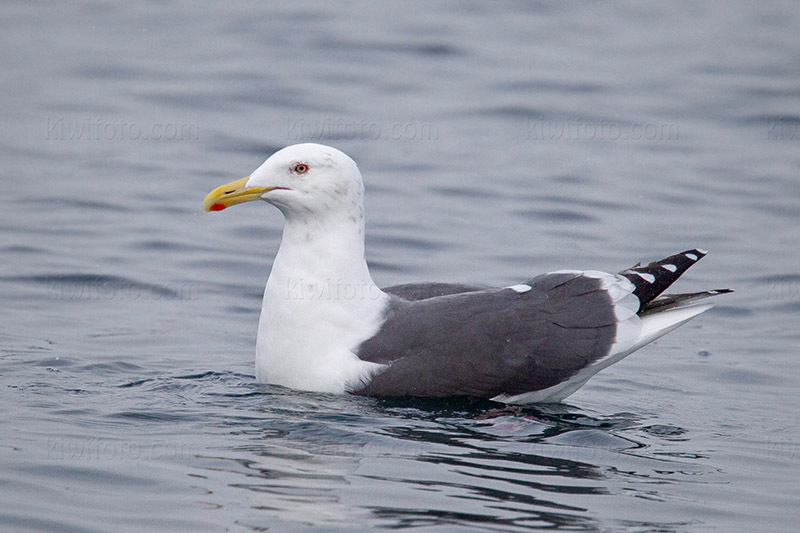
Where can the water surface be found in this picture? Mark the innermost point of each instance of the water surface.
(498, 141)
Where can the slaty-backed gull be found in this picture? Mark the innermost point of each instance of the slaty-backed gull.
(325, 325)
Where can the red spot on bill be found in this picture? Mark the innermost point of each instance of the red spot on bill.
(217, 207)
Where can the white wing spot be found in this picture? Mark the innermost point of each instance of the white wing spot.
(671, 268)
(617, 286)
(704, 252)
(649, 278)
(691, 256)
(520, 288)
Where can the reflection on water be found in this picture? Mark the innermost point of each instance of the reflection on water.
(321, 459)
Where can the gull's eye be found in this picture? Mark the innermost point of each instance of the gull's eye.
(300, 168)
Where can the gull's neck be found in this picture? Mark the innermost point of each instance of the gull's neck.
(322, 250)
(320, 303)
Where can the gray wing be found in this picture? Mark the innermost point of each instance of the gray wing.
(492, 342)
(423, 291)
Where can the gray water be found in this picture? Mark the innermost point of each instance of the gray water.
(498, 140)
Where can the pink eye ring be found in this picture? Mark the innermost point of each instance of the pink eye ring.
(300, 168)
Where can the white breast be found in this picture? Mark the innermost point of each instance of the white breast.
(319, 305)
(307, 334)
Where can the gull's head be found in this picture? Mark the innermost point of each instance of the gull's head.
(310, 180)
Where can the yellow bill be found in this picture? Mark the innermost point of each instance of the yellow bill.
(233, 193)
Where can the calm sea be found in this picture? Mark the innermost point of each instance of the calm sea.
(498, 141)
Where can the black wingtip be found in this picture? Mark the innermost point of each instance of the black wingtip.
(715, 292)
(671, 301)
(653, 279)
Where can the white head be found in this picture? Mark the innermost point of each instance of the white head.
(319, 281)
(308, 181)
